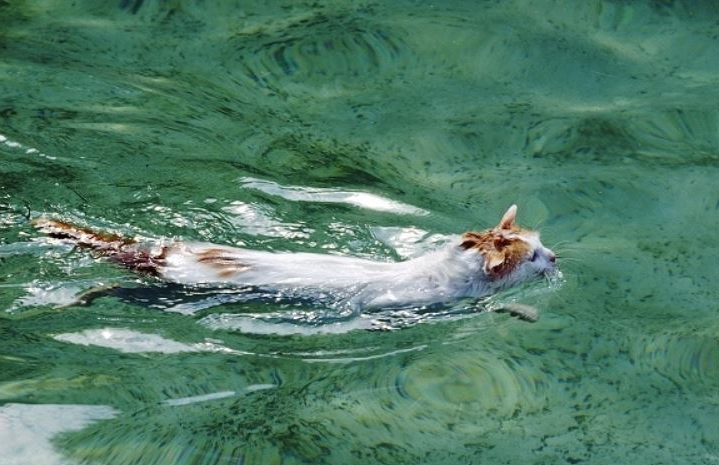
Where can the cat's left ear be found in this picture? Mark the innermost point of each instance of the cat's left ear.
(507, 220)
(493, 261)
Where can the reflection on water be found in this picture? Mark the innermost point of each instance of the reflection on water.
(27, 430)
(358, 199)
(374, 130)
(129, 341)
(258, 220)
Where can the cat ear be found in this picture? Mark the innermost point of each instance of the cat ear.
(493, 261)
(507, 220)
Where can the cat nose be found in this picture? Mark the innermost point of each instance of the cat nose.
(552, 257)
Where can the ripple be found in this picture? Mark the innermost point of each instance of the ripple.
(666, 137)
(690, 359)
(319, 48)
(480, 380)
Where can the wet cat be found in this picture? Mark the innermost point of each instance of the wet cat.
(473, 265)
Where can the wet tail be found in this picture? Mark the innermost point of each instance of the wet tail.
(106, 243)
(127, 252)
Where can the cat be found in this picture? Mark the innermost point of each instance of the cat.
(472, 265)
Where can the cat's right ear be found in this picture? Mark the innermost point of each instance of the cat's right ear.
(507, 220)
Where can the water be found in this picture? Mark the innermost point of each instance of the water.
(373, 130)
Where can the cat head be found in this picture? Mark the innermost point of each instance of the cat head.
(510, 253)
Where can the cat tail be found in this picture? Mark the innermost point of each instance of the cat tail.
(125, 251)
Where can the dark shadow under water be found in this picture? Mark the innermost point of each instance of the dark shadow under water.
(281, 309)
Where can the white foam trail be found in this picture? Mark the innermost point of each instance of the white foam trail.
(129, 341)
(28, 150)
(254, 324)
(17, 248)
(27, 430)
(125, 340)
(367, 357)
(408, 242)
(257, 220)
(218, 395)
(331, 195)
(200, 398)
(55, 295)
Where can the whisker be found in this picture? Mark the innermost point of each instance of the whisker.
(569, 270)
(564, 258)
(568, 247)
(567, 252)
(564, 254)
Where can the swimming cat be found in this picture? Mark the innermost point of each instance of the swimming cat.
(473, 265)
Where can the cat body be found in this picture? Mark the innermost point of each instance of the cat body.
(473, 265)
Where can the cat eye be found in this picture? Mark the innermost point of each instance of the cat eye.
(534, 256)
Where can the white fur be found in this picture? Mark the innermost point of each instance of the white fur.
(443, 275)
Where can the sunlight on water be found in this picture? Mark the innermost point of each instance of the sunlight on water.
(218, 395)
(358, 199)
(282, 324)
(27, 430)
(370, 130)
(125, 340)
(258, 220)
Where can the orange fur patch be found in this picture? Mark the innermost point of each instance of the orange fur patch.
(501, 253)
(226, 265)
(141, 260)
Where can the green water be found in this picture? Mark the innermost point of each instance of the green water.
(598, 118)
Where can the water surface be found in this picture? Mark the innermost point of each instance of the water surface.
(372, 130)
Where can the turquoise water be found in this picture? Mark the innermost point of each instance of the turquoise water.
(249, 123)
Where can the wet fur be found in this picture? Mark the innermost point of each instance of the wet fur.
(124, 251)
(476, 264)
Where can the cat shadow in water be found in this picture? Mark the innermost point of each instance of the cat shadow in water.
(274, 309)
